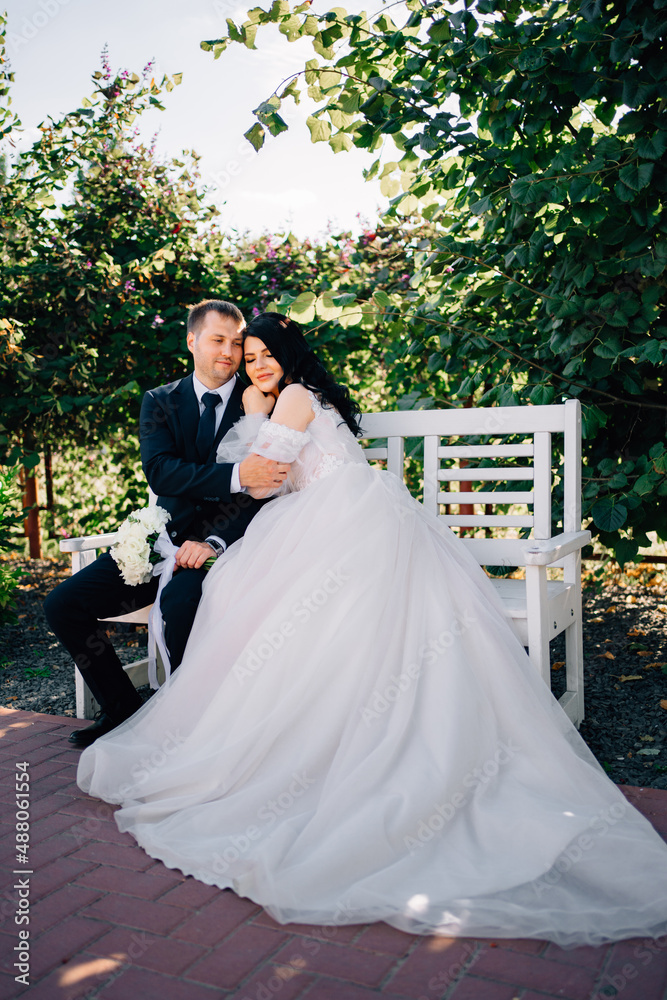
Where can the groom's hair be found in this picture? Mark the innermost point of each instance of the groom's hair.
(197, 313)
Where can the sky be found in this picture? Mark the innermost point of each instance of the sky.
(292, 184)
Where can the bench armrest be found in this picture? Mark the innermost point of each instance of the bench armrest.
(543, 553)
(87, 542)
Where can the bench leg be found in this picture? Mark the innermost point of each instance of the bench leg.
(86, 705)
(574, 644)
(536, 614)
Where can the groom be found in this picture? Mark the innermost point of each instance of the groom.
(181, 425)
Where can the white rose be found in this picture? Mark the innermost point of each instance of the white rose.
(131, 529)
(135, 546)
(132, 555)
(134, 570)
(133, 575)
(154, 519)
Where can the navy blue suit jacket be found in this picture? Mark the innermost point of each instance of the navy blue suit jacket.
(196, 495)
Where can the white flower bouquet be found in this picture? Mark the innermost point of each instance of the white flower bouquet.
(134, 550)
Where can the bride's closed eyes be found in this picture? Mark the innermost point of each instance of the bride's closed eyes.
(249, 358)
(262, 368)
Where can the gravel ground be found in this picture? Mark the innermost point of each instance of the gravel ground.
(625, 667)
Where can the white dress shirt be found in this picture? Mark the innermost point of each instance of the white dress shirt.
(225, 392)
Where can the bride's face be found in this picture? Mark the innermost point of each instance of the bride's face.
(262, 368)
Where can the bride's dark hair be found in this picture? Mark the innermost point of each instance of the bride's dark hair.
(286, 342)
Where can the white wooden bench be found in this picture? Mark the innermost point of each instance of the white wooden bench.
(539, 608)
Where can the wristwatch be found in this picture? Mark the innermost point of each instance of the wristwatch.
(216, 546)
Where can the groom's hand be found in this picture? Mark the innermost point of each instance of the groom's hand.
(193, 555)
(256, 472)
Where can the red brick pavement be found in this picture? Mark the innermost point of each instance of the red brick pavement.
(108, 922)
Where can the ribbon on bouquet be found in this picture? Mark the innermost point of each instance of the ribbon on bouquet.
(165, 568)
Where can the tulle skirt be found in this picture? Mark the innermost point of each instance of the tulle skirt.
(356, 735)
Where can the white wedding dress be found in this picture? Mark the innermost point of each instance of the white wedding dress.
(356, 735)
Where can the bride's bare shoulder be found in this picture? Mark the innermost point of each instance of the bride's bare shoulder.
(294, 406)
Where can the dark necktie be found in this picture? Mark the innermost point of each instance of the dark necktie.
(206, 429)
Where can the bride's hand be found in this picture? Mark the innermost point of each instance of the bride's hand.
(255, 401)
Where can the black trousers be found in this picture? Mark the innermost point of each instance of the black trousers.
(73, 611)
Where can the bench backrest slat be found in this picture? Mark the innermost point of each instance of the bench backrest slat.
(449, 459)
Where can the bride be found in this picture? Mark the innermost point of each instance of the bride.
(355, 734)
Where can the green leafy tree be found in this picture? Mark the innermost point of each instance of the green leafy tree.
(533, 138)
(8, 120)
(102, 247)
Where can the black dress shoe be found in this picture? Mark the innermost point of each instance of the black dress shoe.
(84, 737)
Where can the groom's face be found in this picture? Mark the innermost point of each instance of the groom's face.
(217, 349)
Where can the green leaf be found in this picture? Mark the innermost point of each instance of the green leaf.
(440, 31)
(321, 47)
(382, 299)
(636, 176)
(345, 299)
(651, 147)
(625, 550)
(303, 307)
(329, 78)
(326, 306)
(436, 362)
(608, 349)
(524, 191)
(311, 74)
(390, 186)
(645, 484)
(276, 125)
(340, 142)
(291, 27)
(33, 458)
(542, 395)
(339, 119)
(609, 514)
(320, 130)
(255, 136)
(481, 206)
(292, 90)
(267, 108)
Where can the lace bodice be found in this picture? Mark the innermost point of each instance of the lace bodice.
(314, 453)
